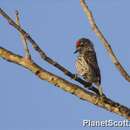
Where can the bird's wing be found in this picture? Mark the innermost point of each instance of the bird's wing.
(90, 58)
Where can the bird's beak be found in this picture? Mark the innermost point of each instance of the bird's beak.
(77, 50)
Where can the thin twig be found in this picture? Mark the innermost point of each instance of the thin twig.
(65, 85)
(44, 55)
(23, 38)
(102, 38)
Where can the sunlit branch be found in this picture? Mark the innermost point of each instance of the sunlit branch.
(65, 85)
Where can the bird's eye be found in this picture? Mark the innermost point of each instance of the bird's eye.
(81, 44)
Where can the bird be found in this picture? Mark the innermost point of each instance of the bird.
(87, 64)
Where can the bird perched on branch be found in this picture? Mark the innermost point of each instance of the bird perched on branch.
(86, 63)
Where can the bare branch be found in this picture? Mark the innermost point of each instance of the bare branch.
(105, 102)
(23, 38)
(103, 40)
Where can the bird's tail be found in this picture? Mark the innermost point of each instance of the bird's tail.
(100, 90)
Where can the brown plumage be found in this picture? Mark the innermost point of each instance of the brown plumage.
(86, 63)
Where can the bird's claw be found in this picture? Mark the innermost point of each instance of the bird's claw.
(99, 100)
(75, 76)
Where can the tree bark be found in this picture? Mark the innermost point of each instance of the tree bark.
(65, 85)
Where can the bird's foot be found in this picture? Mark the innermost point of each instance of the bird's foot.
(75, 76)
(101, 96)
(99, 100)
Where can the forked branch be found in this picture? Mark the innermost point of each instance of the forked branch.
(102, 38)
(23, 38)
(76, 90)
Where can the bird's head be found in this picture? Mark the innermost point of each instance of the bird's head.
(83, 44)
